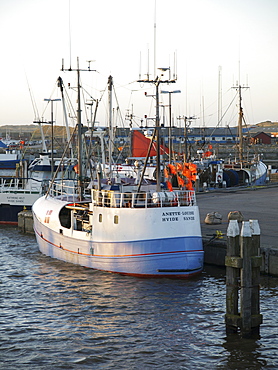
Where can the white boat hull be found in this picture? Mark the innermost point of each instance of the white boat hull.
(150, 242)
(11, 203)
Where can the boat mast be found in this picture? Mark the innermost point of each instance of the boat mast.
(44, 149)
(240, 121)
(157, 127)
(61, 86)
(79, 125)
(219, 120)
(240, 117)
(157, 82)
(110, 142)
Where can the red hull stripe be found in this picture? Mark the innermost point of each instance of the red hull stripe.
(119, 255)
(170, 275)
(14, 223)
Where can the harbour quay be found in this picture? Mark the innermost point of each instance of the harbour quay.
(252, 203)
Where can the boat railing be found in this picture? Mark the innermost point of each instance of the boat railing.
(19, 184)
(66, 189)
(150, 199)
(242, 165)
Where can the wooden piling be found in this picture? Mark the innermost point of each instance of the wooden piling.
(232, 277)
(246, 277)
(25, 222)
(256, 264)
(243, 272)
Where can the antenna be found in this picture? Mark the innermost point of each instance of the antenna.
(154, 42)
(89, 64)
(69, 34)
(140, 67)
(203, 110)
(219, 119)
(239, 72)
(148, 69)
(175, 66)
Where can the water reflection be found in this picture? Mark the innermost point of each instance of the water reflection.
(242, 352)
(58, 315)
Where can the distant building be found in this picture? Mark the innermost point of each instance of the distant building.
(271, 131)
(212, 135)
(195, 135)
(261, 138)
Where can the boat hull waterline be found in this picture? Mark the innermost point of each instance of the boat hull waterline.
(169, 246)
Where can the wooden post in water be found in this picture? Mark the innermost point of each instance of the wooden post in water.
(246, 277)
(243, 266)
(233, 263)
(257, 318)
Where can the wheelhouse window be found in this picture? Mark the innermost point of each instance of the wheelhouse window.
(65, 217)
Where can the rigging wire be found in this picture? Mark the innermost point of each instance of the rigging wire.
(221, 118)
(118, 109)
(51, 95)
(71, 110)
(245, 108)
(85, 110)
(35, 109)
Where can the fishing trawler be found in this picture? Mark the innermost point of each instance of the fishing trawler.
(23, 181)
(18, 193)
(132, 229)
(238, 171)
(242, 170)
(18, 188)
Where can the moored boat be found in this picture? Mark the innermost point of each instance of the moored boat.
(18, 193)
(240, 171)
(144, 234)
(133, 229)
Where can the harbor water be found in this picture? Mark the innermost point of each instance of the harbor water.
(55, 315)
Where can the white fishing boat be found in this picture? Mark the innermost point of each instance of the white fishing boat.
(26, 181)
(18, 188)
(19, 192)
(138, 230)
(23, 181)
(142, 234)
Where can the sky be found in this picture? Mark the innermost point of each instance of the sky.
(210, 45)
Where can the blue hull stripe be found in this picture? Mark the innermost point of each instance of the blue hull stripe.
(123, 255)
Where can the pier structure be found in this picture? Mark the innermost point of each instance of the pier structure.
(253, 203)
